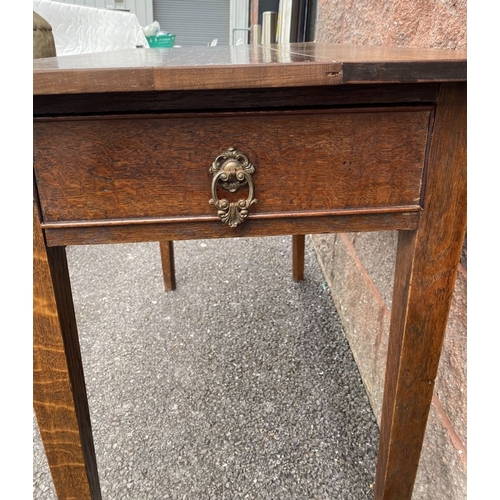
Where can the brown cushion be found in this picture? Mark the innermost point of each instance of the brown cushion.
(43, 39)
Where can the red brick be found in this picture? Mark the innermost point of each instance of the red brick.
(451, 382)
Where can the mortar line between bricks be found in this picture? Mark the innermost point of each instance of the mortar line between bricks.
(450, 430)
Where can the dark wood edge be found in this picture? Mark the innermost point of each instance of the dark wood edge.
(131, 233)
(419, 71)
(237, 99)
(298, 256)
(214, 218)
(221, 114)
(168, 265)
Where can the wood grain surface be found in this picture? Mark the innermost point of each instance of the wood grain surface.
(343, 138)
(426, 268)
(246, 66)
(158, 165)
(59, 394)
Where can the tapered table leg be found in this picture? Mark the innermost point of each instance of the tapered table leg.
(168, 264)
(298, 253)
(426, 267)
(59, 394)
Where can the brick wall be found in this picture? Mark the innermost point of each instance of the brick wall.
(359, 267)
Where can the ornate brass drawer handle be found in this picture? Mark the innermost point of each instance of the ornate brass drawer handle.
(232, 170)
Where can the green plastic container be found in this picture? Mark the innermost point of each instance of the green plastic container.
(161, 41)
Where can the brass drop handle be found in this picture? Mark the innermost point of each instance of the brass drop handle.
(232, 170)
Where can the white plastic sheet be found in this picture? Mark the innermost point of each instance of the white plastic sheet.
(82, 30)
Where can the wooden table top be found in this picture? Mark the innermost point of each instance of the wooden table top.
(243, 66)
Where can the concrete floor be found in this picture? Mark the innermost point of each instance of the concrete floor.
(238, 385)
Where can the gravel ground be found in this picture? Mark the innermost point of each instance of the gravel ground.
(238, 385)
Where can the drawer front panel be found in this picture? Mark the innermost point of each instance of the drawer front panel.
(158, 166)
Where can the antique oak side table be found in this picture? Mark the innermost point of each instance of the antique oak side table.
(216, 142)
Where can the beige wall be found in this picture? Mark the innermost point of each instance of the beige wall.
(359, 267)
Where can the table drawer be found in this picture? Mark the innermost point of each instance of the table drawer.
(157, 166)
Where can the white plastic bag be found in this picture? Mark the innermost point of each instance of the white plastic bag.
(151, 29)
